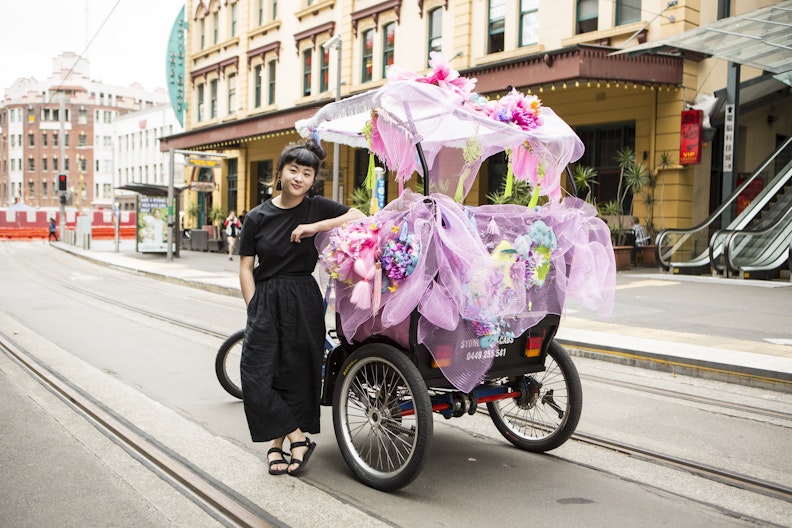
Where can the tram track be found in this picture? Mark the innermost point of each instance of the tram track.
(723, 476)
(194, 484)
(203, 490)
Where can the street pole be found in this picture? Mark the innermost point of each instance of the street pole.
(62, 141)
(171, 161)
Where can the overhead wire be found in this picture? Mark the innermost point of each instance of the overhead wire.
(84, 51)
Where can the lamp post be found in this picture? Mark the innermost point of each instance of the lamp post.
(335, 43)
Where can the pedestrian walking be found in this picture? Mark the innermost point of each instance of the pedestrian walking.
(53, 230)
(232, 226)
(284, 336)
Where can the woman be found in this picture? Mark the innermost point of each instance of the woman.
(232, 226)
(284, 337)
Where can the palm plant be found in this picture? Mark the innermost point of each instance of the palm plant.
(632, 178)
(521, 194)
(361, 199)
(652, 180)
(585, 179)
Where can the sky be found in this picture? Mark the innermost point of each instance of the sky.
(130, 47)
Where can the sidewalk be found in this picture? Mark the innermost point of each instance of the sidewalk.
(700, 326)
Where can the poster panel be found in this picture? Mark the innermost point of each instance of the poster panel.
(152, 226)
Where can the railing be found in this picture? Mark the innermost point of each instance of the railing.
(765, 248)
(691, 246)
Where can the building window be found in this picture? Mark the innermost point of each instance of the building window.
(31, 190)
(203, 33)
(44, 189)
(260, 12)
(81, 140)
(83, 164)
(587, 15)
(232, 93)
(367, 64)
(307, 72)
(231, 181)
(31, 164)
(233, 20)
(213, 99)
(324, 70)
(200, 102)
(271, 83)
(603, 142)
(215, 27)
(388, 47)
(435, 30)
(55, 164)
(66, 139)
(82, 116)
(43, 139)
(529, 22)
(496, 26)
(31, 139)
(44, 164)
(257, 86)
(274, 9)
(627, 11)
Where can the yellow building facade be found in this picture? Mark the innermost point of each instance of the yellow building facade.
(255, 67)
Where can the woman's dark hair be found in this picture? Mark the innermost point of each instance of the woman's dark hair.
(308, 154)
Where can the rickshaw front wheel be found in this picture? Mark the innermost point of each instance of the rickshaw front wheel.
(547, 411)
(382, 416)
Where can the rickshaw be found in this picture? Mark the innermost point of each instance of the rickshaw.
(462, 307)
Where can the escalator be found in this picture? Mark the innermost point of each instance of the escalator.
(756, 244)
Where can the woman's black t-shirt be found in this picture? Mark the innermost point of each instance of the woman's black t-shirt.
(267, 231)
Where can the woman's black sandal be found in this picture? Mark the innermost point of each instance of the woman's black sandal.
(278, 461)
(301, 463)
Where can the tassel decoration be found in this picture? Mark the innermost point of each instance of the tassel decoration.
(377, 291)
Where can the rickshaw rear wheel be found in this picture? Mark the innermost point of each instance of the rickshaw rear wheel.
(382, 416)
(547, 411)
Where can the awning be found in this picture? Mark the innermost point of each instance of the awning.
(150, 189)
(760, 38)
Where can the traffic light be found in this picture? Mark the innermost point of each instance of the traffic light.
(63, 183)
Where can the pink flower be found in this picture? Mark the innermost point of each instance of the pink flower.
(518, 109)
(442, 75)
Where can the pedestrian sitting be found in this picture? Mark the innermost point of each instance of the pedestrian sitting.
(282, 352)
(640, 238)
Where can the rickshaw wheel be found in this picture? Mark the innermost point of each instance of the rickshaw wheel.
(382, 416)
(227, 361)
(547, 411)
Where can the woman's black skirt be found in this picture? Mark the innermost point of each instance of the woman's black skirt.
(282, 357)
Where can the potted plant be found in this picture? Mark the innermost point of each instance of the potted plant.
(632, 178)
(192, 213)
(216, 216)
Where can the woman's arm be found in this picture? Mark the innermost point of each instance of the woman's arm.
(307, 230)
(246, 281)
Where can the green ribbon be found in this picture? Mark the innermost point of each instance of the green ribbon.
(509, 190)
(370, 177)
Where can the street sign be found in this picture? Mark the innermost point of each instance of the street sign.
(203, 162)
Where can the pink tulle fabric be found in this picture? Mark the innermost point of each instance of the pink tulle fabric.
(483, 273)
